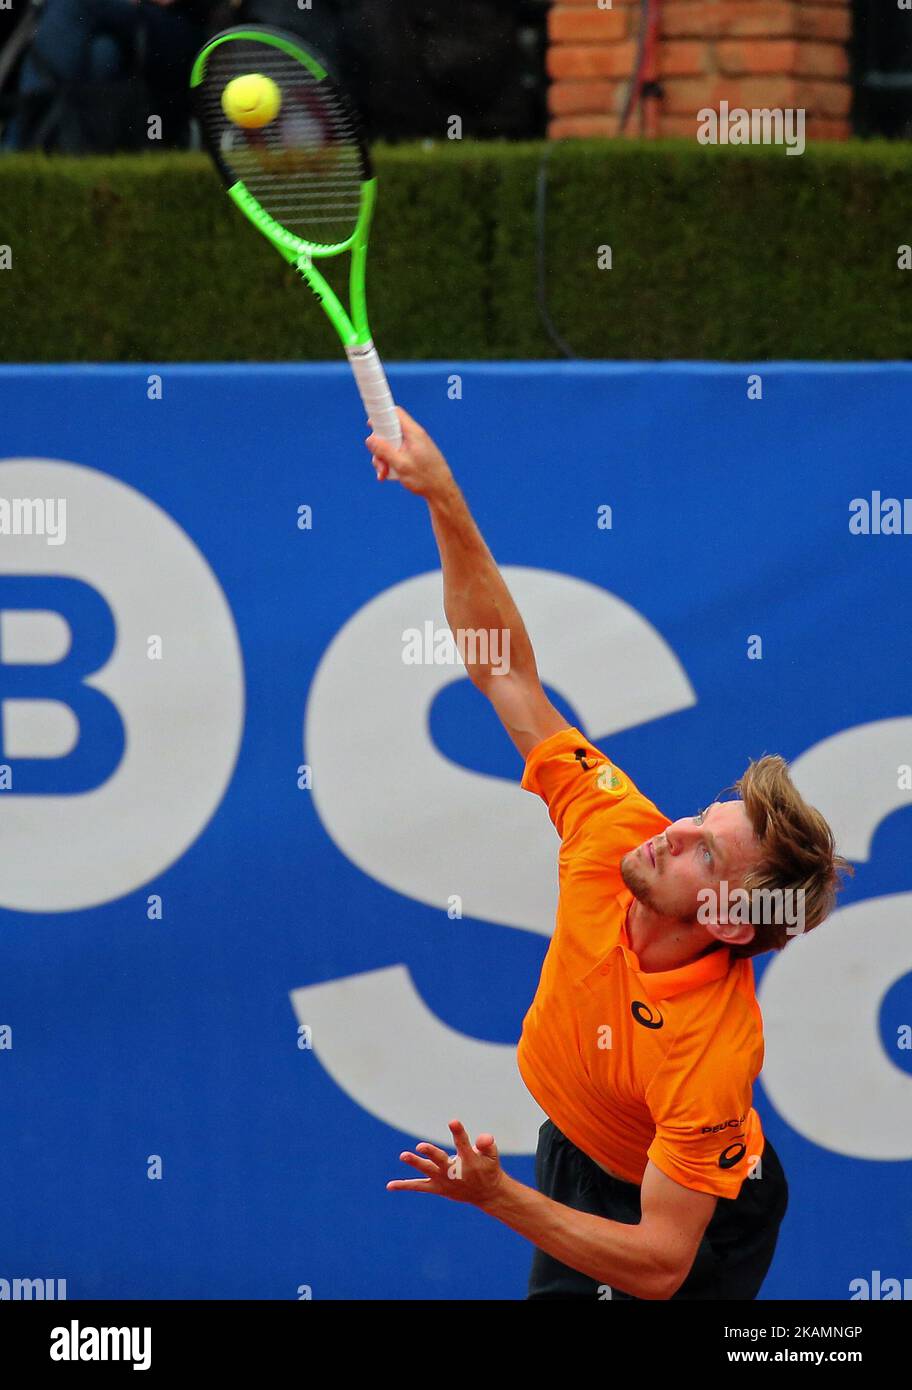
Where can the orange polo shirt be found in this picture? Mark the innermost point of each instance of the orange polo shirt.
(630, 1064)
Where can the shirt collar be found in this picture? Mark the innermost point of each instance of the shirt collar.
(665, 984)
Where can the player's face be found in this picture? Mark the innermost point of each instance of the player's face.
(668, 872)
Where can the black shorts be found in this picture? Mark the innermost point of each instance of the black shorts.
(733, 1257)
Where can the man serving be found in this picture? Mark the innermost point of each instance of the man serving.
(644, 1038)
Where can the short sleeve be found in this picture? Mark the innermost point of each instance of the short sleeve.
(580, 786)
(704, 1123)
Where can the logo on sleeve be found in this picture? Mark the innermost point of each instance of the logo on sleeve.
(608, 780)
(645, 1016)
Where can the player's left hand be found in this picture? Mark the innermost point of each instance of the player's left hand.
(473, 1175)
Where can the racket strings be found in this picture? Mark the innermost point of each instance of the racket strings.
(306, 168)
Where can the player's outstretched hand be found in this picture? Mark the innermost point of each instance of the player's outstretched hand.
(419, 464)
(473, 1175)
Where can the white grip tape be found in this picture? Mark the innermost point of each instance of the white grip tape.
(375, 393)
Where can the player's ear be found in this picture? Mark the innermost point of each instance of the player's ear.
(726, 914)
(733, 934)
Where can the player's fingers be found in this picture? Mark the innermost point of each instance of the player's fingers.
(424, 1165)
(485, 1144)
(431, 1151)
(460, 1138)
(385, 450)
(409, 1185)
(381, 468)
(410, 426)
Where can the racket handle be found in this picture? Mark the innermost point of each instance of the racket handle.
(375, 393)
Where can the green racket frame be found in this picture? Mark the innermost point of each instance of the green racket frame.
(354, 331)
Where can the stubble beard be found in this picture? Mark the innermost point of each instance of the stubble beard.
(634, 880)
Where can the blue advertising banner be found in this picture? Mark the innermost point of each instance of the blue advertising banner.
(272, 902)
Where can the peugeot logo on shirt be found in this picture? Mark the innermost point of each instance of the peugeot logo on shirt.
(644, 1015)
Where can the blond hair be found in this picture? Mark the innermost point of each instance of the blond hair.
(798, 853)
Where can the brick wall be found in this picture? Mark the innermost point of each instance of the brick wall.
(751, 53)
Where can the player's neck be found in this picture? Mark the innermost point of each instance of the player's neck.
(664, 943)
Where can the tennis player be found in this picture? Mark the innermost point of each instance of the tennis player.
(644, 1038)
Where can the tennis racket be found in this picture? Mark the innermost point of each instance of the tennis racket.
(304, 178)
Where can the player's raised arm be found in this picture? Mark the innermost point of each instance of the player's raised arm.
(484, 620)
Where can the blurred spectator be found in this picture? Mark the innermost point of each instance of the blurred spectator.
(8, 21)
(412, 64)
(97, 69)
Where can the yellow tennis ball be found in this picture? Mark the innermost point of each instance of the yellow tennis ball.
(251, 101)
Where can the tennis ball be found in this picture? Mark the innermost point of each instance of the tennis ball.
(251, 101)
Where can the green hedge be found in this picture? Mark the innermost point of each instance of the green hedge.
(717, 253)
